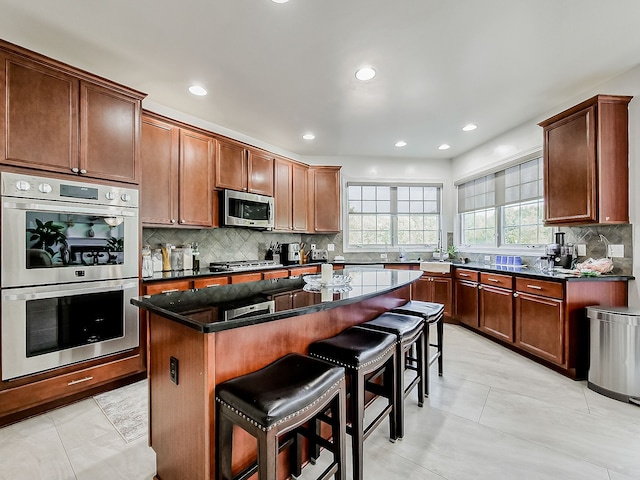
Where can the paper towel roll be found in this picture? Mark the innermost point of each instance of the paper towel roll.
(326, 271)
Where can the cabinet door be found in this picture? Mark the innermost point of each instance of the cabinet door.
(496, 312)
(570, 169)
(540, 326)
(260, 173)
(421, 289)
(441, 288)
(231, 166)
(159, 176)
(196, 182)
(300, 197)
(466, 298)
(326, 199)
(109, 133)
(38, 116)
(283, 195)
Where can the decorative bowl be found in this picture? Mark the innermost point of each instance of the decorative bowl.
(336, 281)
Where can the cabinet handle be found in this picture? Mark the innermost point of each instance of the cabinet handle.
(173, 220)
(83, 171)
(170, 290)
(493, 280)
(515, 295)
(75, 169)
(213, 285)
(74, 382)
(464, 275)
(479, 287)
(535, 287)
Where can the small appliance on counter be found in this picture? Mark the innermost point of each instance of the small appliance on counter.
(319, 255)
(561, 254)
(290, 253)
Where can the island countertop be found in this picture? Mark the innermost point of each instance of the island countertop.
(227, 307)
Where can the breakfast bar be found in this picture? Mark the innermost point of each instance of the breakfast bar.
(198, 339)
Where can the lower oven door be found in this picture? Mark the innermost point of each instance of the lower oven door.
(49, 327)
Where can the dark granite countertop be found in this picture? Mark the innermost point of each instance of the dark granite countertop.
(232, 306)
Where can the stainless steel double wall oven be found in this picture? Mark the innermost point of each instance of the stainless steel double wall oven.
(69, 257)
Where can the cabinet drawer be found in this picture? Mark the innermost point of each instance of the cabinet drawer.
(540, 287)
(271, 274)
(246, 277)
(210, 282)
(503, 281)
(294, 272)
(464, 274)
(166, 287)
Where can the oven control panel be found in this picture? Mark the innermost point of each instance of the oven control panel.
(29, 186)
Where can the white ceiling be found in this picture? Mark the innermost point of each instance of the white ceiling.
(277, 71)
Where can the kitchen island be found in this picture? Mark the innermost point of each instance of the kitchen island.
(200, 338)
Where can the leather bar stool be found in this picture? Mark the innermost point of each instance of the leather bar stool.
(433, 314)
(409, 332)
(366, 355)
(274, 404)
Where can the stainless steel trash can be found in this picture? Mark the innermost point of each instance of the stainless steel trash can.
(614, 365)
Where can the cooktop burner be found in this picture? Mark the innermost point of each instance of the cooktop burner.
(242, 265)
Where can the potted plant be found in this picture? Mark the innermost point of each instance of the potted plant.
(46, 236)
(451, 251)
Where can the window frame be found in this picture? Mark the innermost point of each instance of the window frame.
(393, 246)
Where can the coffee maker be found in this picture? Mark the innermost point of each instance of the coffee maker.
(561, 254)
(290, 253)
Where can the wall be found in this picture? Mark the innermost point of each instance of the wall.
(528, 137)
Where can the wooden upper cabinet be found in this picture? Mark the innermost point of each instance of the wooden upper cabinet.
(325, 199)
(282, 194)
(196, 206)
(299, 197)
(586, 157)
(159, 162)
(260, 172)
(58, 119)
(242, 169)
(231, 166)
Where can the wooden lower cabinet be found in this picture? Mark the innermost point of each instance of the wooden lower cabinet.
(539, 326)
(436, 289)
(496, 312)
(466, 296)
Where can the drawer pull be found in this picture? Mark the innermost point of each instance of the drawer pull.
(74, 382)
(493, 280)
(515, 295)
(464, 274)
(535, 287)
(213, 285)
(171, 290)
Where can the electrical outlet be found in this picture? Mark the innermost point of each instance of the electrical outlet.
(616, 251)
(383, 255)
(581, 250)
(313, 246)
(487, 259)
(331, 247)
(173, 370)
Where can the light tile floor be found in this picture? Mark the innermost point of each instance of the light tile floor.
(493, 415)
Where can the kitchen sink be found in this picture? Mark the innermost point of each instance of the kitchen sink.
(435, 267)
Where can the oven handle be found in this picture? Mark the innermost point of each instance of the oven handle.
(68, 209)
(73, 291)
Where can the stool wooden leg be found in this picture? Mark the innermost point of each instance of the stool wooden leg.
(399, 391)
(267, 455)
(357, 423)
(224, 428)
(338, 421)
(420, 347)
(427, 357)
(440, 345)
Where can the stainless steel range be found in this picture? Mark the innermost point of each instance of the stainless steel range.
(243, 265)
(69, 268)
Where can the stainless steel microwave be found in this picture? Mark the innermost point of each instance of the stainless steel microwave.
(242, 209)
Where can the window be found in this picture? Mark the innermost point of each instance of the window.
(392, 215)
(504, 208)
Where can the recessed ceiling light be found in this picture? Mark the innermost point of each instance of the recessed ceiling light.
(197, 90)
(279, 1)
(444, 146)
(365, 73)
(308, 136)
(401, 143)
(469, 126)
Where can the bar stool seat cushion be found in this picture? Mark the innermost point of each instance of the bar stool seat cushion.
(401, 325)
(428, 310)
(354, 348)
(280, 390)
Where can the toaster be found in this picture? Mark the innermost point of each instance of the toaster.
(319, 255)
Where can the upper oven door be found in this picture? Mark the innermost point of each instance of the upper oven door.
(46, 242)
